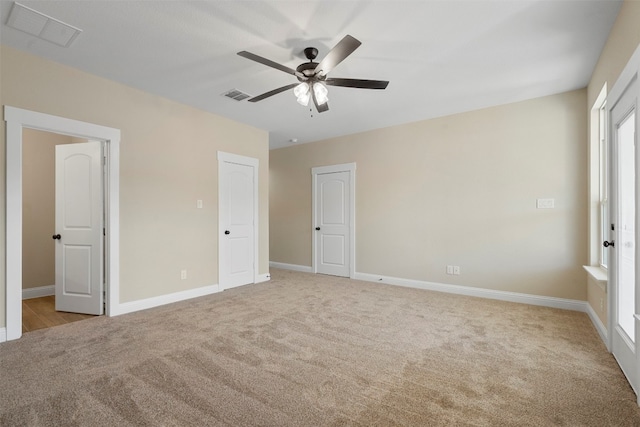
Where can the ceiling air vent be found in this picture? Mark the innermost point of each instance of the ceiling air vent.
(42, 26)
(236, 94)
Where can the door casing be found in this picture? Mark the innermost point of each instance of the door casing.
(344, 167)
(16, 119)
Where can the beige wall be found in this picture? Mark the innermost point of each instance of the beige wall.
(623, 40)
(458, 190)
(597, 298)
(167, 162)
(38, 206)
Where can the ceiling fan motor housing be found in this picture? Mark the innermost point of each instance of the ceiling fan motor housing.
(311, 53)
(308, 70)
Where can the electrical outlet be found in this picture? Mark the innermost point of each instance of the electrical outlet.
(199, 204)
(449, 269)
(183, 274)
(456, 270)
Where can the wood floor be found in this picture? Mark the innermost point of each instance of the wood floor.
(40, 313)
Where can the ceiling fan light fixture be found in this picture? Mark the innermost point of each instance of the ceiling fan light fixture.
(321, 92)
(302, 93)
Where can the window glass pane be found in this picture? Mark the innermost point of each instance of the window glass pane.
(626, 225)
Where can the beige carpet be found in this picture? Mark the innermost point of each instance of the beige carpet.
(312, 350)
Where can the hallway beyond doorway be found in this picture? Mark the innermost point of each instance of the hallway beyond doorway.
(40, 313)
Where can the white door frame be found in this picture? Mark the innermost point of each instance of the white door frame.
(246, 161)
(345, 167)
(16, 119)
(630, 73)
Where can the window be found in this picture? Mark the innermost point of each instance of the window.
(603, 184)
(599, 221)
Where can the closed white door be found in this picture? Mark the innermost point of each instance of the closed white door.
(623, 234)
(332, 226)
(79, 228)
(237, 200)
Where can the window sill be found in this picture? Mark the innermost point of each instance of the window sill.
(598, 274)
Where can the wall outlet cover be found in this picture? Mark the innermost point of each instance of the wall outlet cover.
(545, 203)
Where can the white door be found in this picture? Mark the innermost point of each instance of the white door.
(79, 228)
(237, 203)
(623, 234)
(332, 227)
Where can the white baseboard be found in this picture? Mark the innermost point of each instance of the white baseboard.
(130, 307)
(3, 334)
(602, 331)
(293, 267)
(566, 304)
(41, 291)
(263, 278)
(133, 306)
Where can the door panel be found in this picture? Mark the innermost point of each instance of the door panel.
(77, 262)
(333, 203)
(332, 217)
(79, 212)
(333, 250)
(237, 213)
(623, 118)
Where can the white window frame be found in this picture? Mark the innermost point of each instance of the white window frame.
(598, 186)
(603, 180)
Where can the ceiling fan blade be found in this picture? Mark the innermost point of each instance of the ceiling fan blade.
(344, 48)
(269, 63)
(272, 92)
(357, 83)
(320, 107)
(323, 107)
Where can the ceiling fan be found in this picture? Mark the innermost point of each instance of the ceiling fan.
(312, 76)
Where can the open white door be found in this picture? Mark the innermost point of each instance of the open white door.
(237, 205)
(333, 220)
(625, 298)
(79, 228)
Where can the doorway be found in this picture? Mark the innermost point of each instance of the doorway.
(43, 260)
(17, 120)
(333, 212)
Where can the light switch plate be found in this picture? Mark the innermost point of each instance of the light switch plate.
(545, 203)
(199, 204)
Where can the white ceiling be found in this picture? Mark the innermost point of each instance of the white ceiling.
(441, 57)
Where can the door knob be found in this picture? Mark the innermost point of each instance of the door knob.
(227, 232)
(607, 244)
(318, 228)
(56, 237)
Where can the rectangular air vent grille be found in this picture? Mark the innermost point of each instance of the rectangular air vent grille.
(42, 26)
(236, 94)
